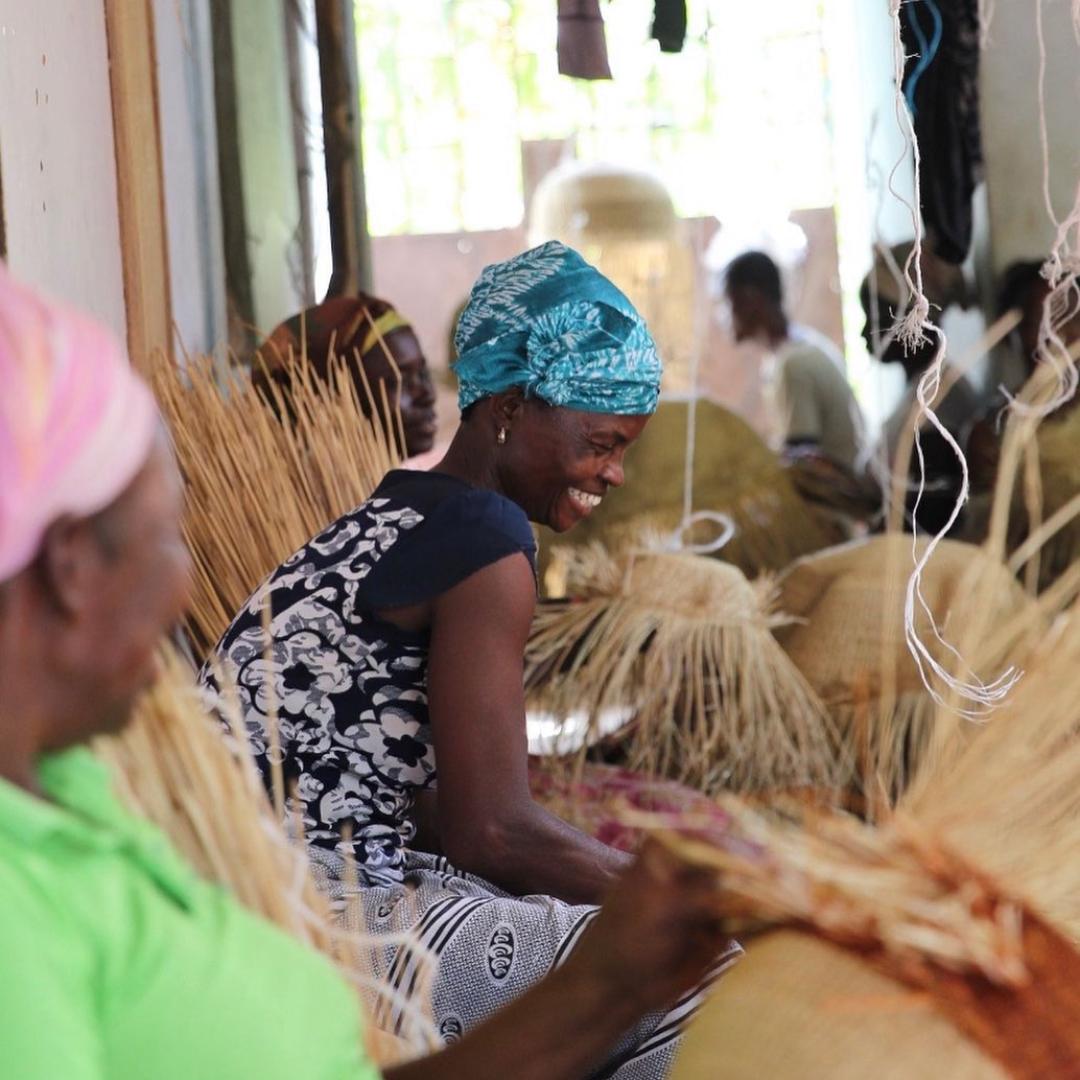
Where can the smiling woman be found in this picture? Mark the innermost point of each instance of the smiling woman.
(396, 643)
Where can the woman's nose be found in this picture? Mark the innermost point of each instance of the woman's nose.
(612, 473)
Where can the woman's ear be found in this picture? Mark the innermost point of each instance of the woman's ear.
(67, 565)
(506, 407)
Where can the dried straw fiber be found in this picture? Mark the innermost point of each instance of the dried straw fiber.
(173, 767)
(735, 473)
(1057, 450)
(1006, 794)
(258, 484)
(848, 640)
(686, 642)
(799, 1008)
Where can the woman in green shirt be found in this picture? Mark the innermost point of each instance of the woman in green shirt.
(118, 961)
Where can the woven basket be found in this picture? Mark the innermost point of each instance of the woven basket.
(848, 640)
(799, 1008)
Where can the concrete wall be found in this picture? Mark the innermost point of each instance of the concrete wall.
(268, 160)
(57, 153)
(1019, 224)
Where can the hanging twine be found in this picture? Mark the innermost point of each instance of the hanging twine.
(1061, 267)
(913, 329)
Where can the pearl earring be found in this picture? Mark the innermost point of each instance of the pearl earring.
(501, 437)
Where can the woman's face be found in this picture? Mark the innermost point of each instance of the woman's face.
(557, 464)
(417, 396)
(142, 587)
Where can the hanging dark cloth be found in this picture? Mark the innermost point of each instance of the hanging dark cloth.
(582, 47)
(941, 84)
(669, 24)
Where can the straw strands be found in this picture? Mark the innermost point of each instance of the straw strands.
(893, 889)
(264, 474)
(987, 835)
(1007, 795)
(173, 766)
(686, 643)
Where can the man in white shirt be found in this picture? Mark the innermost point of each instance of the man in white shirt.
(814, 401)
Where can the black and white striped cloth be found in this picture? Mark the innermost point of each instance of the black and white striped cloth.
(489, 948)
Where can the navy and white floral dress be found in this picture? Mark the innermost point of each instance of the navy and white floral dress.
(349, 691)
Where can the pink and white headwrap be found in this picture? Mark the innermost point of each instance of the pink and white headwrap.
(76, 423)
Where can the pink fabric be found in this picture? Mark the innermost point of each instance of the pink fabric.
(76, 423)
(595, 801)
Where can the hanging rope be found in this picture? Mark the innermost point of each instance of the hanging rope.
(915, 328)
(1062, 266)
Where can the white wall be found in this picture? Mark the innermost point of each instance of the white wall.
(1019, 224)
(57, 153)
(268, 160)
(189, 159)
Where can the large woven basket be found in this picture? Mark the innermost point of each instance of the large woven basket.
(848, 638)
(799, 1008)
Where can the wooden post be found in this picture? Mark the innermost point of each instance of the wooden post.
(336, 33)
(140, 178)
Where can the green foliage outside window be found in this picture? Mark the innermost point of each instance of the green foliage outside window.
(451, 88)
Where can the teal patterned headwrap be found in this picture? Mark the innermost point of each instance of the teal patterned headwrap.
(548, 322)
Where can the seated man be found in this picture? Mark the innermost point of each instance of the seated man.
(885, 301)
(815, 404)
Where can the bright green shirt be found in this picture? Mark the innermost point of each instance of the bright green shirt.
(118, 963)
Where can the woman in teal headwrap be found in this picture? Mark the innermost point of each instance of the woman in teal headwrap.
(396, 645)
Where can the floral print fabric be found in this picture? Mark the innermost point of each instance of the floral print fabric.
(348, 691)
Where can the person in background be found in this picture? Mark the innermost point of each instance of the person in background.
(369, 332)
(1025, 291)
(119, 962)
(815, 404)
(884, 299)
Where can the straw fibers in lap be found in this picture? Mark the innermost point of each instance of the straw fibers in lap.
(761, 1023)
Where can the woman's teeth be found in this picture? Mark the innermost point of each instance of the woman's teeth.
(585, 498)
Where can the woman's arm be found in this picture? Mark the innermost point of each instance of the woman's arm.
(488, 822)
(654, 939)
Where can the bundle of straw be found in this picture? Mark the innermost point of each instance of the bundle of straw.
(966, 893)
(685, 642)
(265, 473)
(846, 637)
(734, 474)
(173, 767)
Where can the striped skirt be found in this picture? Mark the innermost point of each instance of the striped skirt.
(488, 948)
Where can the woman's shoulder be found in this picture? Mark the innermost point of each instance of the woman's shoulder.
(487, 511)
(453, 505)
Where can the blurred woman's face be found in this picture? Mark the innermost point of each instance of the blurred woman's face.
(557, 464)
(144, 586)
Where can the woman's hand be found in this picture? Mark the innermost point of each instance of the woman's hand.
(657, 933)
(654, 939)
